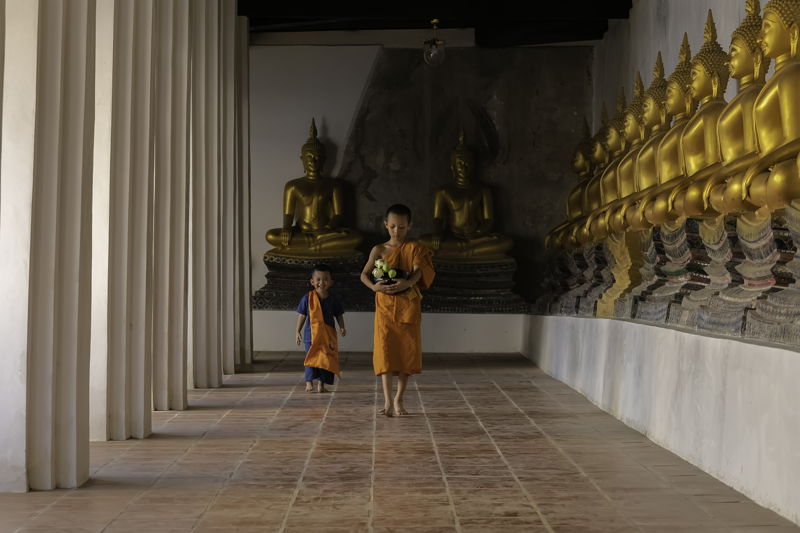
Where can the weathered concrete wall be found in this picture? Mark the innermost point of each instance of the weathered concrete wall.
(521, 110)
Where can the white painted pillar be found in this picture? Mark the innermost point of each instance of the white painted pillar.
(47, 141)
(206, 197)
(170, 209)
(213, 164)
(243, 345)
(199, 300)
(20, 46)
(227, 47)
(101, 222)
(124, 110)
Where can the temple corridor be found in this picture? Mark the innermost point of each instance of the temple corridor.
(491, 444)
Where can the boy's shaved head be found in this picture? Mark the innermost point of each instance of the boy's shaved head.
(399, 210)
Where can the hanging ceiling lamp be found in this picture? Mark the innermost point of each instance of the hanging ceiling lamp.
(433, 48)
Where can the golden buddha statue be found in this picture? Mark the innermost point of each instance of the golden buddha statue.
(582, 165)
(669, 158)
(463, 216)
(736, 128)
(699, 139)
(316, 204)
(603, 188)
(635, 134)
(656, 119)
(589, 189)
(772, 181)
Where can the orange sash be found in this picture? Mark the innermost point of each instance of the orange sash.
(324, 351)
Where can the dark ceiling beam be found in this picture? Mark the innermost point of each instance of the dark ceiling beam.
(420, 18)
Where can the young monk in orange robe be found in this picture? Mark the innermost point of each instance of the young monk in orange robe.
(397, 346)
(315, 327)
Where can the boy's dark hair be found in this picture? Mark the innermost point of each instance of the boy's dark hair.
(321, 267)
(399, 210)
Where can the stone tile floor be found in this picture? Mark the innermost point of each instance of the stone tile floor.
(491, 444)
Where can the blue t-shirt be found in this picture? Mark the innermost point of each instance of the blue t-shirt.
(331, 307)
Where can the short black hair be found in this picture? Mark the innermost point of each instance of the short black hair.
(321, 267)
(399, 210)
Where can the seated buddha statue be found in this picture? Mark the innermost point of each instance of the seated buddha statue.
(735, 128)
(635, 134)
(699, 139)
(669, 159)
(582, 165)
(589, 189)
(312, 212)
(772, 181)
(463, 216)
(655, 118)
(602, 192)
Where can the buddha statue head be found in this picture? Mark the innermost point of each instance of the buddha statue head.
(746, 58)
(313, 153)
(615, 141)
(679, 101)
(599, 154)
(581, 158)
(654, 108)
(462, 161)
(633, 127)
(779, 29)
(710, 66)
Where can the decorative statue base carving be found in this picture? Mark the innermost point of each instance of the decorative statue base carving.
(584, 260)
(725, 312)
(776, 318)
(694, 306)
(287, 282)
(655, 302)
(602, 280)
(484, 287)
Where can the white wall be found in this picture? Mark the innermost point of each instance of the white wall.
(288, 86)
(726, 406)
(273, 331)
(653, 25)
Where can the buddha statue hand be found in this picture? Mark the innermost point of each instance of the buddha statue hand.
(435, 241)
(286, 236)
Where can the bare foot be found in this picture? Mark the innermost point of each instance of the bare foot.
(321, 387)
(398, 407)
(309, 387)
(387, 411)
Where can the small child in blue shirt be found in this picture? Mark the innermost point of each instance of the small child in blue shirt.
(331, 306)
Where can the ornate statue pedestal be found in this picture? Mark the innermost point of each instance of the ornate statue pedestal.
(473, 287)
(287, 281)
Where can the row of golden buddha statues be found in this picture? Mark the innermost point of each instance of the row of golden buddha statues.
(679, 161)
(313, 208)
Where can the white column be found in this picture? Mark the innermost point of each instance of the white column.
(127, 120)
(20, 45)
(213, 165)
(101, 200)
(52, 219)
(179, 213)
(140, 222)
(243, 345)
(170, 209)
(199, 301)
(227, 47)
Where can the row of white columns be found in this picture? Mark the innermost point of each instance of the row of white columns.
(124, 200)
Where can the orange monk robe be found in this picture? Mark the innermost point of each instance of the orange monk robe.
(398, 339)
(324, 350)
